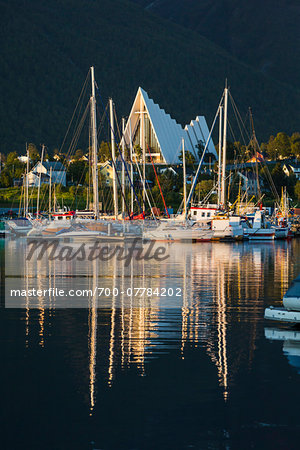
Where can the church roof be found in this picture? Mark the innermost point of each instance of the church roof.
(167, 131)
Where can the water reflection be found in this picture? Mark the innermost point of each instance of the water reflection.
(220, 284)
(291, 343)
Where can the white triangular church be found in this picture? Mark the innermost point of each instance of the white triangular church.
(153, 130)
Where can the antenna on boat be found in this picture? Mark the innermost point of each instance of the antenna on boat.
(94, 146)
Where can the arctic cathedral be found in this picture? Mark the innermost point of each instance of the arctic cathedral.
(159, 136)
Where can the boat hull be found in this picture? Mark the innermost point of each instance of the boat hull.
(259, 234)
(282, 315)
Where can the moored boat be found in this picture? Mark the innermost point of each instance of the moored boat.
(259, 230)
(180, 233)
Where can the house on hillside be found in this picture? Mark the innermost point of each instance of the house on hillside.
(83, 158)
(292, 169)
(106, 170)
(43, 170)
(23, 159)
(258, 157)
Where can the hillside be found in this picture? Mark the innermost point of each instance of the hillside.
(264, 34)
(48, 47)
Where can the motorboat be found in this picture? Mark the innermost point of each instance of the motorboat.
(227, 227)
(19, 226)
(259, 229)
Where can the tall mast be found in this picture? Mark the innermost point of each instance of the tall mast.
(27, 181)
(184, 180)
(113, 155)
(123, 167)
(223, 183)
(131, 165)
(255, 148)
(220, 154)
(143, 146)
(50, 189)
(39, 186)
(54, 199)
(94, 147)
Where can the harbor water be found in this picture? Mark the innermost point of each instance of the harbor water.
(201, 370)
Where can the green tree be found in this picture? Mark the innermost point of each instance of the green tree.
(204, 187)
(279, 146)
(13, 167)
(33, 153)
(295, 144)
(78, 155)
(297, 190)
(5, 179)
(72, 191)
(104, 153)
(279, 177)
(189, 158)
(138, 151)
(77, 172)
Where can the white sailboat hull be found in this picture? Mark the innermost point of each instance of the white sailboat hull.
(181, 234)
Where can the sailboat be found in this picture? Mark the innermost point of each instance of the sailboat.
(22, 224)
(225, 225)
(180, 229)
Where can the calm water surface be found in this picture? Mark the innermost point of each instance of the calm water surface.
(209, 373)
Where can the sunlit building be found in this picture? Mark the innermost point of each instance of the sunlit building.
(158, 137)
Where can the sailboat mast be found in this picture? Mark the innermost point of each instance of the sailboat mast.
(94, 147)
(143, 147)
(27, 181)
(131, 164)
(223, 183)
(184, 180)
(50, 189)
(113, 155)
(255, 148)
(220, 154)
(39, 186)
(123, 167)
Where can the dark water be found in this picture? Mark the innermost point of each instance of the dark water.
(201, 376)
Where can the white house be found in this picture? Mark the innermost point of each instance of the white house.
(292, 169)
(23, 159)
(56, 169)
